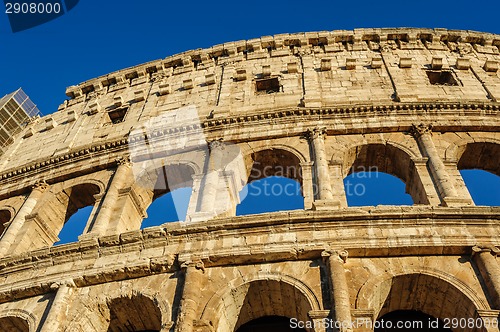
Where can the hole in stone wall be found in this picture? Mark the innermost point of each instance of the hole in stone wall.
(74, 226)
(110, 81)
(269, 324)
(270, 194)
(4, 219)
(267, 85)
(169, 207)
(117, 115)
(375, 188)
(13, 324)
(409, 320)
(441, 77)
(483, 186)
(88, 89)
(135, 313)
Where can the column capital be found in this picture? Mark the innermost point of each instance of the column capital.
(477, 249)
(41, 186)
(197, 264)
(216, 144)
(64, 283)
(341, 255)
(418, 130)
(123, 161)
(315, 132)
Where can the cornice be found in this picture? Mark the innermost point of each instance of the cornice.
(216, 127)
(166, 238)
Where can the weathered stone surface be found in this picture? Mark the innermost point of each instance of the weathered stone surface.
(419, 104)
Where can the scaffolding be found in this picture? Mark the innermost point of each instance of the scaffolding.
(16, 110)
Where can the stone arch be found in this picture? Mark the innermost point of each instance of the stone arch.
(135, 313)
(7, 213)
(432, 292)
(479, 154)
(97, 314)
(17, 320)
(388, 157)
(59, 206)
(264, 161)
(157, 178)
(234, 297)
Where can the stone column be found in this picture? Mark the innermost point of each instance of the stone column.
(59, 307)
(442, 180)
(307, 184)
(210, 182)
(193, 279)
(17, 223)
(337, 179)
(489, 267)
(105, 213)
(317, 141)
(339, 290)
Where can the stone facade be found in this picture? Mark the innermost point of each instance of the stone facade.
(416, 103)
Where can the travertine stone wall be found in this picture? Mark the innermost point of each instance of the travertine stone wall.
(419, 104)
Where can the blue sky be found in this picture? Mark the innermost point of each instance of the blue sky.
(98, 37)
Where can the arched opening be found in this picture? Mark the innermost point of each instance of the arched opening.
(277, 299)
(270, 194)
(364, 167)
(67, 212)
(13, 324)
(5, 217)
(418, 292)
(483, 186)
(169, 190)
(270, 324)
(409, 320)
(169, 207)
(478, 164)
(137, 313)
(75, 225)
(274, 183)
(375, 188)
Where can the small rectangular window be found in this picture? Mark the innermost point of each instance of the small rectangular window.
(117, 115)
(441, 77)
(267, 85)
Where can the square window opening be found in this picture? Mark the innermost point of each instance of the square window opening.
(117, 115)
(267, 85)
(441, 77)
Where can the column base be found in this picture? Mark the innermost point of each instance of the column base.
(201, 216)
(322, 205)
(456, 201)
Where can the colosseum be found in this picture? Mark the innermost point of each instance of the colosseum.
(419, 104)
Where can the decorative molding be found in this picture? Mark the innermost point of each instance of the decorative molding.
(121, 145)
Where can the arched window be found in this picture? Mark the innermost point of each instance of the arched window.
(480, 169)
(5, 217)
(13, 324)
(54, 211)
(271, 324)
(381, 174)
(169, 190)
(375, 188)
(75, 205)
(409, 320)
(138, 313)
(171, 206)
(274, 183)
(270, 305)
(407, 297)
(75, 225)
(483, 186)
(270, 194)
